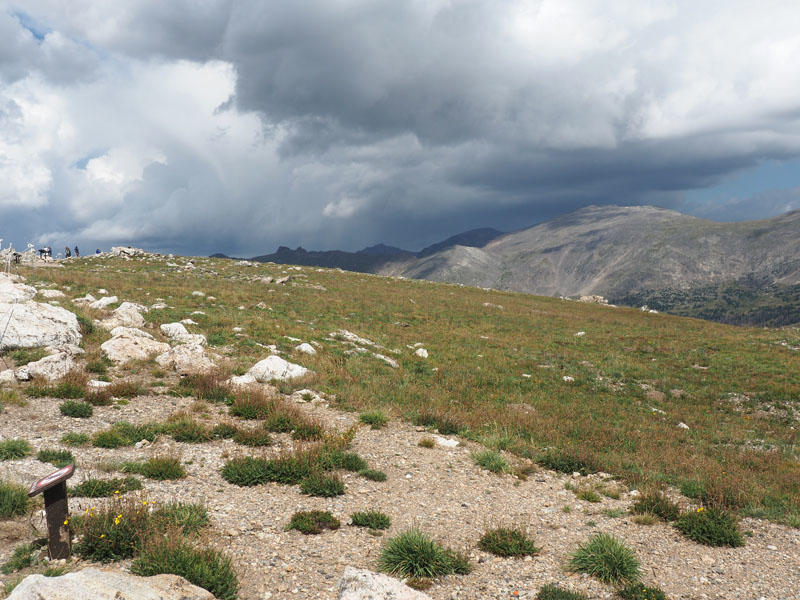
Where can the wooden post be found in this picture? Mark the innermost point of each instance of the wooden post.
(56, 508)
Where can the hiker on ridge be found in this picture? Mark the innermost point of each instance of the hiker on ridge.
(77, 254)
(67, 253)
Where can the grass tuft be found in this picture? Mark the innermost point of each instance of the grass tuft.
(491, 461)
(656, 503)
(76, 409)
(312, 522)
(13, 500)
(507, 542)
(160, 468)
(14, 449)
(372, 474)
(75, 439)
(104, 488)
(372, 519)
(57, 458)
(553, 592)
(375, 419)
(322, 485)
(606, 558)
(566, 462)
(710, 526)
(414, 554)
(639, 591)
(253, 437)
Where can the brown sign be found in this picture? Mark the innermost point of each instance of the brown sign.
(52, 480)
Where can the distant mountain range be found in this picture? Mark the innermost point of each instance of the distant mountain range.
(742, 273)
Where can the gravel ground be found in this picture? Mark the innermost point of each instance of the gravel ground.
(439, 490)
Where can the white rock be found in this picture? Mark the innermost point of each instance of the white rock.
(580, 334)
(446, 442)
(127, 251)
(274, 367)
(188, 321)
(174, 330)
(349, 336)
(107, 584)
(7, 377)
(31, 324)
(568, 378)
(103, 302)
(97, 384)
(421, 352)
(85, 299)
(198, 293)
(11, 291)
(198, 312)
(158, 305)
(50, 367)
(129, 346)
(242, 380)
(48, 293)
(389, 361)
(127, 314)
(360, 584)
(682, 425)
(186, 359)
(130, 332)
(237, 330)
(102, 291)
(306, 348)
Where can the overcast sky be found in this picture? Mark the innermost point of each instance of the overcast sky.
(198, 126)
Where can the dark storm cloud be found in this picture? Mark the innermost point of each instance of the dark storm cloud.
(238, 126)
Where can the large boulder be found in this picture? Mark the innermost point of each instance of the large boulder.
(360, 584)
(127, 314)
(129, 344)
(50, 367)
(178, 333)
(274, 367)
(128, 252)
(186, 359)
(33, 324)
(107, 584)
(11, 291)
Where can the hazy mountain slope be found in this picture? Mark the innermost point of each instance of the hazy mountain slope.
(613, 250)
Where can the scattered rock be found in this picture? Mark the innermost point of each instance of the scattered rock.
(103, 302)
(274, 367)
(568, 378)
(593, 299)
(446, 442)
(306, 348)
(11, 291)
(29, 324)
(50, 367)
(127, 344)
(107, 584)
(421, 352)
(186, 359)
(51, 293)
(178, 333)
(682, 425)
(128, 314)
(349, 336)
(360, 584)
(198, 293)
(128, 252)
(389, 361)
(88, 298)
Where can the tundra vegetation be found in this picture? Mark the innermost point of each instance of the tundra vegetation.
(506, 371)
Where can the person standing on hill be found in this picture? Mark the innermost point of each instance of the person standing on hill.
(67, 253)
(77, 254)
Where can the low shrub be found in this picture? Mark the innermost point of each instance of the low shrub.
(414, 554)
(656, 503)
(253, 437)
(159, 467)
(11, 397)
(375, 419)
(14, 448)
(247, 471)
(566, 462)
(308, 430)
(205, 567)
(427, 442)
(588, 495)
(13, 500)
(185, 429)
(113, 533)
(639, 591)
(75, 439)
(252, 404)
(325, 486)
(124, 389)
(553, 592)
(76, 409)
(123, 433)
(505, 541)
(710, 526)
(72, 385)
(491, 461)
(606, 558)
(372, 474)
(101, 397)
(371, 519)
(57, 458)
(333, 458)
(206, 386)
(23, 356)
(312, 522)
(104, 488)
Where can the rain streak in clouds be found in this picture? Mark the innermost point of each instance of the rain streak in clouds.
(198, 127)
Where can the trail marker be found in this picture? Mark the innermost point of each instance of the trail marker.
(54, 487)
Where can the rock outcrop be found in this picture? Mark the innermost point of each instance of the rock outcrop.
(360, 584)
(127, 344)
(274, 367)
(107, 584)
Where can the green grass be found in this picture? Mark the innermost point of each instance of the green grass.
(566, 462)
(606, 558)
(23, 356)
(160, 468)
(11, 398)
(123, 433)
(710, 526)
(371, 519)
(190, 518)
(507, 541)
(205, 567)
(415, 554)
(312, 522)
(491, 461)
(14, 449)
(65, 389)
(553, 592)
(104, 488)
(374, 418)
(187, 430)
(23, 556)
(253, 437)
(606, 424)
(224, 431)
(320, 484)
(639, 591)
(57, 458)
(372, 474)
(74, 438)
(588, 495)
(13, 500)
(656, 503)
(76, 409)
